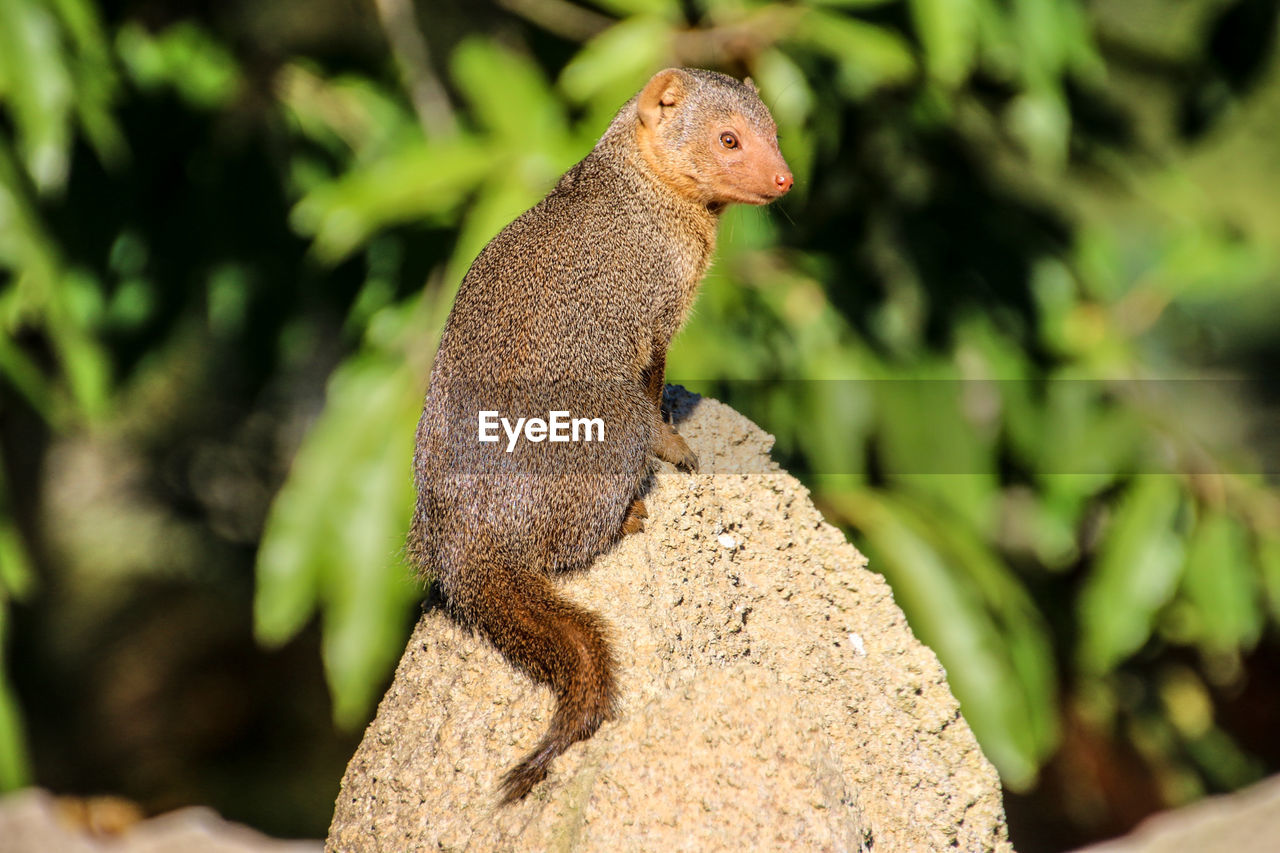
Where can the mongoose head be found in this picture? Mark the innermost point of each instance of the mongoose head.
(711, 138)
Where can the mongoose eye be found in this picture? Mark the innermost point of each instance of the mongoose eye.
(728, 140)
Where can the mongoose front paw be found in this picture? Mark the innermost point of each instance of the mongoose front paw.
(674, 449)
(633, 522)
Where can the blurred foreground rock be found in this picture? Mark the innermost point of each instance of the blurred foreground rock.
(773, 697)
(1247, 821)
(35, 821)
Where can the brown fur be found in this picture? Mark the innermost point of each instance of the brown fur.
(572, 307)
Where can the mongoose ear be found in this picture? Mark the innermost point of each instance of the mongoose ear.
(664, 89)
(751, 84)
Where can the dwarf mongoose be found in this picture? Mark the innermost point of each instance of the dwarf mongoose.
(568, 312)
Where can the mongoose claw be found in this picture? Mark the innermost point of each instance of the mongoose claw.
(674, 449)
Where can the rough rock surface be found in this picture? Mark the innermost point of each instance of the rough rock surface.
(773, 697)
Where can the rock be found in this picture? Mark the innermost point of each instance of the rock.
(1246, 821)
(773, 697)
(35, 821)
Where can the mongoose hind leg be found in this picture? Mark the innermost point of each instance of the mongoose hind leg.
(671, 447)
(633, 522)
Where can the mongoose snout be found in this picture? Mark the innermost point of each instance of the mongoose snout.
(567, 315)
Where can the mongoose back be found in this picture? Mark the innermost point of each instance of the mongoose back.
(570, 310)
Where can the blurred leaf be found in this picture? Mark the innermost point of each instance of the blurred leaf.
(1042, 123)
(17, 576)
(1204, 264)
(346, 112)
(16, 580)
(614, 65)
(424, 181)
(1269, 559)
(96, 79)
(36, 81)
(1222, 585)
(868, 55)
(15, 765)
(1072, 430)
(65, 304)
(335, 533)
(508, 93)
(1135, 573)
(183, 57)
(836, 424)
(671, 10)
(783, 88)
(850, 4)
(228, 298)
(948, 32)
(1050, 523)
(1044, 42)
(77, 314)
(1227, 765)
(369, 598)
(929, 444)
(536, 143)
(1000, 52)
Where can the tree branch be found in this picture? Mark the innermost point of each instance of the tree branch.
(430, 100)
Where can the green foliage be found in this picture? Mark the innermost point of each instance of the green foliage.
(867, 56)
(55, 78)
(184, 58)
(616, 63)
(1221, 584)
(1139, 564)
(15, 765)
(981, 275)
(337, 526)
(16, 582)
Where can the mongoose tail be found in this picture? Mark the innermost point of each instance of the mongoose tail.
(558, 644)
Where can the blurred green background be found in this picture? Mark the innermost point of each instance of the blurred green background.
(230, 233)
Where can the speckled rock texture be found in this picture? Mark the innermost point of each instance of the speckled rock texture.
(773, 697)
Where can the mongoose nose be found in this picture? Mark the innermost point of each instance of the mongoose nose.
(783, 180)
